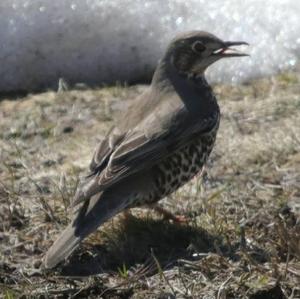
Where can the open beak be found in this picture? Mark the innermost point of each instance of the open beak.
(227, 51)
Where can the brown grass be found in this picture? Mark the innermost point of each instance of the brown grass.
(243, 235)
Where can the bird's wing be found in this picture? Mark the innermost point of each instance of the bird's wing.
(141, 150)
(102, 154)
(104, 150)
(114, 136)
(142, 147)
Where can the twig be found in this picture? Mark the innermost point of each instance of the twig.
(222, 287)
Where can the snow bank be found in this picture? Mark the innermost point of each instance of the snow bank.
(95, 41)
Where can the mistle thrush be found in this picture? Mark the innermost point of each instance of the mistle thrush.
(163, 141)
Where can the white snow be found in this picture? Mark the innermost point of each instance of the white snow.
(96, 41)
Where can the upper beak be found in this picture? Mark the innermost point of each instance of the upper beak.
(226, 51)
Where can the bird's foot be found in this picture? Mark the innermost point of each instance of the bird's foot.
(167, 215)
(180, 219)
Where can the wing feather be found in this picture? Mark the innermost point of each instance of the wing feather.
(139, 152)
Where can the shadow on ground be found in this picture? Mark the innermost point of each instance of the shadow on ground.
(138, 243)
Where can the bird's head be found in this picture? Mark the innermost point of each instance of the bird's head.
(191, 53)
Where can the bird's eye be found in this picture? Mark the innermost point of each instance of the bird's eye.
(198, 47)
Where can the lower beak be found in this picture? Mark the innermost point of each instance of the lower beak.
(227, 51)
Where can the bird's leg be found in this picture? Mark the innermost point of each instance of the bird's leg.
(168, 215)
(127, 214)
(201, 173)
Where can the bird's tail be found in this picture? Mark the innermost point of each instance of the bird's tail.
(94, 212)
(62, 247)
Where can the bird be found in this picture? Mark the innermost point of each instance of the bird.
(160, 143)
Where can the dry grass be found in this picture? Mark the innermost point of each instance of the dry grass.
(243, 235)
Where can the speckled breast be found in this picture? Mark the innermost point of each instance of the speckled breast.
(179, 168)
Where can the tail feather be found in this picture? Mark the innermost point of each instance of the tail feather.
(62, 247)
(94, 212)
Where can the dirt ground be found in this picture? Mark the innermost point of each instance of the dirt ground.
(242, 239)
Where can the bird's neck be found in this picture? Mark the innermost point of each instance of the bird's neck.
(167, 76)
(194, 91)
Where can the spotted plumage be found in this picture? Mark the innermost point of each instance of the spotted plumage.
(160, 143)
(179, 168)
